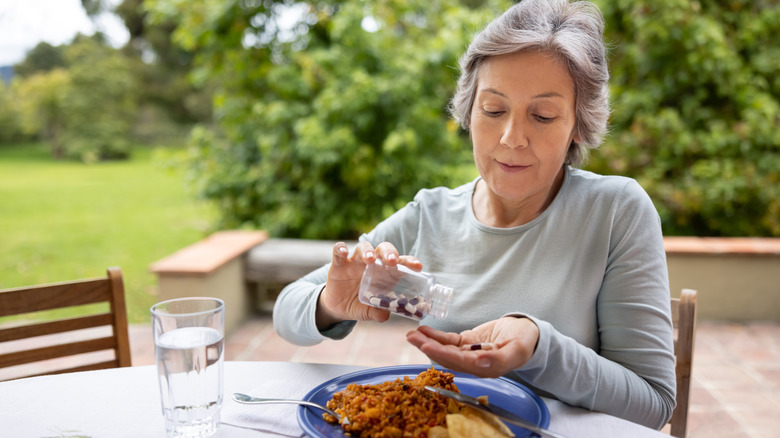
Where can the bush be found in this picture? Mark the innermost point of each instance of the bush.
(695, 87)
(41, 104)
(11, 130)
(84, 111)
(327, 128)
(100, 106)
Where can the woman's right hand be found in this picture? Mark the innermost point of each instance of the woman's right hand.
(339, 301)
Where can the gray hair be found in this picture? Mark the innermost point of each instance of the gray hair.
(572, 33)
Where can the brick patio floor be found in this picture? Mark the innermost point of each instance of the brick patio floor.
(736, 367)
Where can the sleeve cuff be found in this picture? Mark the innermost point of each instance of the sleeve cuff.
(539, 359)
(337, 331)
(340, 330)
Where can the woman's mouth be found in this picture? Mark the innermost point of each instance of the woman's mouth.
(511, 168)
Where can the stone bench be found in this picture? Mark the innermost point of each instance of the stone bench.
(278, 262)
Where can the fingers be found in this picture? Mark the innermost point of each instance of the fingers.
(379, 315)
(411, 262)
(340, 253)
(364, 253)
(387, 252)
(449, 355)
(445, 349)
(444, 338)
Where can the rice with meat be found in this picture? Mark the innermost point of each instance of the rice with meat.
(401, 408)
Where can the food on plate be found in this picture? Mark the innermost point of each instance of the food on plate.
(470, 422)
(404, 408)
(401, 408)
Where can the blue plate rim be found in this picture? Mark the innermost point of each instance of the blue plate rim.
(410, 370)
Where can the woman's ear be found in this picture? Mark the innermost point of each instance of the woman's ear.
(575, 136)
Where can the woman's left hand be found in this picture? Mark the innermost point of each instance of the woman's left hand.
(513, 342)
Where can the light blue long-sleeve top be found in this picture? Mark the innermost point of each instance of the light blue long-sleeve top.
(590, 271)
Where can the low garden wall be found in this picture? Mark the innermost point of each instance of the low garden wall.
(213, 267)
(736, 278)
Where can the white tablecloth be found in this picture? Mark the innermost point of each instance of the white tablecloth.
(125, 402)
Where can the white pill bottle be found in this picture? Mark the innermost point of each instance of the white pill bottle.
(404, 292)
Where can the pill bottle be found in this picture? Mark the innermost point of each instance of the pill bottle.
(404, 292)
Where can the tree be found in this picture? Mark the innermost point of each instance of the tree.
(41, 58)
(42, 98)
(100, 106)
(10, 114)
(696, 92)
(325, 127)
(163, 67)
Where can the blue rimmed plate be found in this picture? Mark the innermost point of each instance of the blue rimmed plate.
(503, 392)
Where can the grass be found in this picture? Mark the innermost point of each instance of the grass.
(67, 220)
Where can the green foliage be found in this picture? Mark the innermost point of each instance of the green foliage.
(84, 111)
(325, 128)
(10, 115)
(162, 67)
(100, 103)
(41, 105)
(42, 58)
(696, 88)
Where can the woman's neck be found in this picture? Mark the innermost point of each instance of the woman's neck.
(494, 211)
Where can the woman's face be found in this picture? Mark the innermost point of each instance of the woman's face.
(522, 124)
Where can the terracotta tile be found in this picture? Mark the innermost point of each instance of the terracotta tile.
(701, 397)
(724, 376)
(274, 348)
(141, 344)
(714, 424)
(749, 400)
(771, 374)
(761, 424)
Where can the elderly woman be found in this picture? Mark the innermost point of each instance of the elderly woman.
(562, 269)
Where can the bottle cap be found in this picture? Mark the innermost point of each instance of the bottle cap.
(440, 301)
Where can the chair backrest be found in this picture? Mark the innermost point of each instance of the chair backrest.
(684, 319)
(65, 344)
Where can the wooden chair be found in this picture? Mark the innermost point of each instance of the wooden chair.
(684, 319)
(69, 333)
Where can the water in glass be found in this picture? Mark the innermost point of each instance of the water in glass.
(189, 364)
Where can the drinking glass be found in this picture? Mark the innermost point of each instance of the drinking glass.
(189, 336)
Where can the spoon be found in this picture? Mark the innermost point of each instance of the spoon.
(243, 398)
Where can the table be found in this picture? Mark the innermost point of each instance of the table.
(124, 402)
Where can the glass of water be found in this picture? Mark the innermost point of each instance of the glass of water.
(189, 339)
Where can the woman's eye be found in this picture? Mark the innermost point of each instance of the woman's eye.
(544, 119)
(492, 113)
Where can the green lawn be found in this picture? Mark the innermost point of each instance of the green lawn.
(68, 220)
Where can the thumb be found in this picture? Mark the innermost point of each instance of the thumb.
(379, 315)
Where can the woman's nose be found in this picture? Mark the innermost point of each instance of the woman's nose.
(514, 135)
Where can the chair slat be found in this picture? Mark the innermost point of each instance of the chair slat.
(109, 290)
(55, 351)
(19, 301)
(52, 327)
